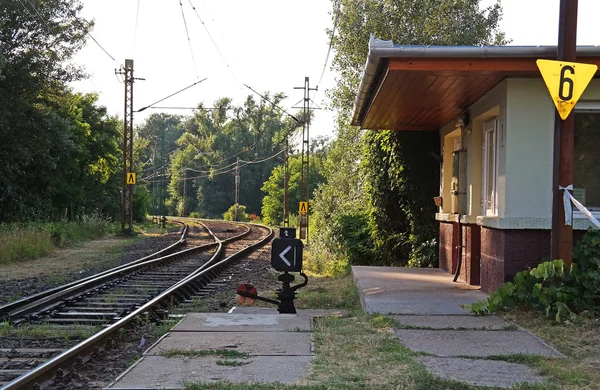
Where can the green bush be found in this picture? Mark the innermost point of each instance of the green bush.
(195, 214)
(142, 204)
(552, 288)
(242, 216)
(352, 235)
(30, 241)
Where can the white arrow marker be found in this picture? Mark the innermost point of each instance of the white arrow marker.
(282, 255)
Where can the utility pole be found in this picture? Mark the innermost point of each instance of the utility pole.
(286, 177)
(305, 166)
(237, 188)
(562, 175)
(184, 190)
(127, 189)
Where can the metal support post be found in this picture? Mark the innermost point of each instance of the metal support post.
(127, 189)
(562, 235)
(184, 191)
(237, 188)
(305, 165)
(286, 176)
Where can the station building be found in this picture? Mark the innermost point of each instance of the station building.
(495, 119)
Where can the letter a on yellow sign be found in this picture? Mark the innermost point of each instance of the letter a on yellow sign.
(566, 82)
(131, 178)
(303, 207)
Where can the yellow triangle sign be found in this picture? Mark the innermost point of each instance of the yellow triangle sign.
(303, 207)
(130, 178)
(566, 82)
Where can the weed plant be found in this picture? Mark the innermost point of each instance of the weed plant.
(560, 292)
(28, 241)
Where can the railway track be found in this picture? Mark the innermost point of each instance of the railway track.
(102, 305)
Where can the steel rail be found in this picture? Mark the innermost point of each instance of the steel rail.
(9, 307)
(90, 284)
(44, 371)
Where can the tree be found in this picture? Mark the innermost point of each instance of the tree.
(409, 22)
(212, 143)
(37, 133)
(272, 203)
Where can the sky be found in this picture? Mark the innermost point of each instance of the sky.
(270, 45)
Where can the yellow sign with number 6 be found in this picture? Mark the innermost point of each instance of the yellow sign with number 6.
(566, 82)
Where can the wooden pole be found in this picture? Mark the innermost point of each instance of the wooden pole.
(562, 235)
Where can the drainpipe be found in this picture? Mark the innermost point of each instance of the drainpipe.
(460, 235)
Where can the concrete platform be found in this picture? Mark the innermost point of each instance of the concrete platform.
(480, 372)
(429, 304)
(238, 322)
(412, 291)
(475, 343)
(279, 349)
(156, 372)
(253, 343)
(452, 322)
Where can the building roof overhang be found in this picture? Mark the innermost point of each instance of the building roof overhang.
(425, 87)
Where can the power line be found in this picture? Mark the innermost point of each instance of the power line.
(186, 108)
(265, 98)
(137, 15)
(214, 43)
(173, 94)
(49, 30)
(335, 22)
(188, 38)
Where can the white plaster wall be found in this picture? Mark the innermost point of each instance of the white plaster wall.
(528, 150)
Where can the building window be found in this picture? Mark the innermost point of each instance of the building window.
(490, 168)
(586, 159)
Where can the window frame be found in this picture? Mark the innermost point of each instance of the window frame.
(489, 126)
(592, 107)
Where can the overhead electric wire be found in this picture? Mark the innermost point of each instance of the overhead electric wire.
(173, 94)
(137, 15)
(275, 105)
(185, 108)
(264, 159)
(335, 22)
(188, 38)
(49, 30)
(214, 43)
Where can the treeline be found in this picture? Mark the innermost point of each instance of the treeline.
(58, 149)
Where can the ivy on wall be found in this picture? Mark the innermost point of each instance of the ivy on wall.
(402, 169)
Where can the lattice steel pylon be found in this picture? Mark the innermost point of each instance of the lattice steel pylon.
(128, 189)
(305, 167)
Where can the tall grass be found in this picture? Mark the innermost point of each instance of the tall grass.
(28, 241)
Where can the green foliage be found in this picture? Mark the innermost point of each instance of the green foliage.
(242, 216)
(551, 288)
(272, 206)
(58, 150)
(352, 236)
(21, 242)
(210, 145)
(142, 204)
(402, 174)
(399, 186)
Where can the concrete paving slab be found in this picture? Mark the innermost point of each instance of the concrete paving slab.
(452, 322)
(268, 310)
(254, 343)
(156, 372)
(224, 322)
(479, 372)
(474, 343)
(413, 291)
